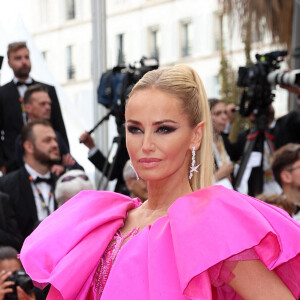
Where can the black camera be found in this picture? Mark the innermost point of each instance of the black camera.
(21, 279)
(116, 84)
(267, 68)
(259, 80)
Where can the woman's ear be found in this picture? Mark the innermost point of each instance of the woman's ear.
(197, 135)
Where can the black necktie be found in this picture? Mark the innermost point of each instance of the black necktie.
(19, 83)
(41, 179)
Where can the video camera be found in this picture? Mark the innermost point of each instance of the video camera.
(260, 79)
(116, 84)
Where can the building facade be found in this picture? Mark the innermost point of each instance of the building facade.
(173, 31)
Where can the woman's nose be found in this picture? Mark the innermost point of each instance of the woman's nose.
(148, 144)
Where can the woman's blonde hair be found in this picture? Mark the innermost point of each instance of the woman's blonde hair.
(184, 83)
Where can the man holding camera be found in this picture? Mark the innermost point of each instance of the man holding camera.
(13, 278)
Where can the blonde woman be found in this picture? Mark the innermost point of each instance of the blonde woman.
(187, 240)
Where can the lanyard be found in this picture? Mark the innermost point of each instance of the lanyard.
(43, 203)
(24, 115)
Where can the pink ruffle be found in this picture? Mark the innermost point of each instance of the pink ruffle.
(238, 223)
(188, 254)
(64, 250)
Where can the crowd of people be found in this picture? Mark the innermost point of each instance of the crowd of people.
(143, 241)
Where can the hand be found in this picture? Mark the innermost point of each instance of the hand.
(3, 170)
(57, 169)
(224, 171)
(68, 160)
(22, 295)
(5, 286)
(292, 89)
(86, 139)
(230, 108)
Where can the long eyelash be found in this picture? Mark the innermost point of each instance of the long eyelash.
(166, 129)
(133, 129)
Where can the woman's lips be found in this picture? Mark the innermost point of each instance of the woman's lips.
(149, 162)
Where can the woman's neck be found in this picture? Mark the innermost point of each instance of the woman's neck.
(162, 194)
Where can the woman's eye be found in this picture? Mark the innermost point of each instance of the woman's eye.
(165, 129)
(133, 129)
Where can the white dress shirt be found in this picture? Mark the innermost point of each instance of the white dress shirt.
(45, 190)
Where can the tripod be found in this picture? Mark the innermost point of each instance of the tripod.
(111, 168)
(115, 168)
(255, 142)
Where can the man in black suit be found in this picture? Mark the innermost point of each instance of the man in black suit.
(12, 113)
(37, 105)
(31, 187)
(9, 230)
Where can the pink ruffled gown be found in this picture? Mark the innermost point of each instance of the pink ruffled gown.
(187, 254)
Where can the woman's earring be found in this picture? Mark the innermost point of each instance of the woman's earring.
(136, 174)
(193, 168)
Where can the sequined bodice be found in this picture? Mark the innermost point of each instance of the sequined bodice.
(107, 260)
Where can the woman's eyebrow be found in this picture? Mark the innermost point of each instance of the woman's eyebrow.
(133, 121)
(165, 121)
(154, 123)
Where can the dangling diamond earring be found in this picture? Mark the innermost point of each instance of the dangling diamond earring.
(193, 168)
(136, 174)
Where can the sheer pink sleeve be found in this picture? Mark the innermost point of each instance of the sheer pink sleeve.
(222, 272)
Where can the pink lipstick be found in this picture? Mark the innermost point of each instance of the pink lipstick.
(149, 162)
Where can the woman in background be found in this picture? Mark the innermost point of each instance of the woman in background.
(223, 164)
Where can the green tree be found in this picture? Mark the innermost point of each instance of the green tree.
(259, 17)
(254, 18)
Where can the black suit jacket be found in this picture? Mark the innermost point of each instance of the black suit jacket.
(9, 230)
(287, 129)
(17, 185)
(11, 121)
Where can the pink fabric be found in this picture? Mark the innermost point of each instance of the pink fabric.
(181, 256)
(107, 260)
(72, 240)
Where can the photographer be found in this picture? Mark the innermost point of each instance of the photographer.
(9, 263)
(259, 80)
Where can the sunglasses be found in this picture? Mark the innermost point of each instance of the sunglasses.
(69, 178)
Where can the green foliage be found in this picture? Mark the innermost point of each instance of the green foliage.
(230, 92)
